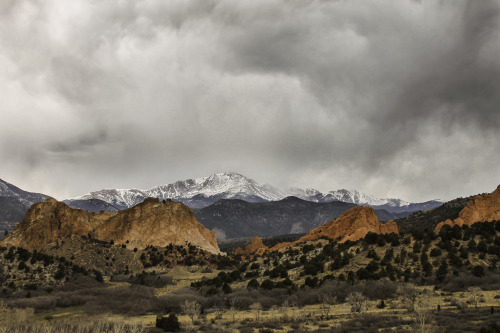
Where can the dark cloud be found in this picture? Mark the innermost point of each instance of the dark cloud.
(398, 100)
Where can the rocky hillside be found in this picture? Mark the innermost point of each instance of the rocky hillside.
(150, 223)
(483, 208)
(352, 225)
(431, 218)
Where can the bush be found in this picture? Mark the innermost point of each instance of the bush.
(460, 304)
(478, 271)
(168, 324)
(253, 284)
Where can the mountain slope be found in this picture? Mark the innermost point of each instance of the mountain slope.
(429, 219)
(232, 218)
(14, 203)
(91, 205)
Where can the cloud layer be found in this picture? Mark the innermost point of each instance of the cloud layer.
(394, 98)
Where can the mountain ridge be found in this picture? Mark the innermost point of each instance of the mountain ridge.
(235, 218)
(14, 202)
(204, 191)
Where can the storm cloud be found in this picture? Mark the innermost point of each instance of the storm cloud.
(393, 98)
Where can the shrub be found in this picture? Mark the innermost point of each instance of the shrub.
(253, 284)
(168, 324)
(478, 271)
(460, 304)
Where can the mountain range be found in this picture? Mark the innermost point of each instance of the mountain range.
(205, 191)
(217, 200)
(233, 218)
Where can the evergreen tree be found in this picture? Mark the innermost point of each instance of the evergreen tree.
(442, 270)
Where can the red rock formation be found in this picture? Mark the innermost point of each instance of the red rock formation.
(149, 223)
(483, 208)
(352, 225)
(256, 246)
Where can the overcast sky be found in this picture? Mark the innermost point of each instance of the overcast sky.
(393, 98)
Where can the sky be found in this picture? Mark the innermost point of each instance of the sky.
(393, 98)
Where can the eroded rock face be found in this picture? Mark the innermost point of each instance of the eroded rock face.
(256, 246)
(149, 223)
(483, 208)
(352, 225)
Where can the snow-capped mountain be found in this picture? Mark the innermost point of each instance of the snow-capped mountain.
(196, 193)
(204, 191)
(358, 198)
(350, 196)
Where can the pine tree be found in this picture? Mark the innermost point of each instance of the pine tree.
(442, 270)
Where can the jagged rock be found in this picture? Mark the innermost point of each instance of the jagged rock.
(150, 223)
(483, 208)
(352, 225)
(256, 246)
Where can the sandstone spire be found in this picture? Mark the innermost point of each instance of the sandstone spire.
(256, 246)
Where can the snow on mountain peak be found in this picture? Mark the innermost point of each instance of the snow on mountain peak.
(203, 191)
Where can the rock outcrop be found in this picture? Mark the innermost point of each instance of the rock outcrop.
(352, 225)
(149, 223)
(483, 208)
(256, 246)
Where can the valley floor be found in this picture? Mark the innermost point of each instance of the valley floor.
(289, 317)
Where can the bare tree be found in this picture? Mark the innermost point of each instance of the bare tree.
(357, 301)
(191, 309)
(284, 309)
(410, 294)
(327, 300)
(423, 313)
(219, 306)
(232, 308)
(256, 308)
(475, 295)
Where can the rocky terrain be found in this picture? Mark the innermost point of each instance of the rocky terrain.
(483, 208)
(150, 223)
(429, 219)
(256, 246)
(352, 225)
